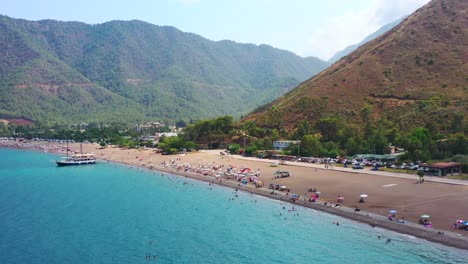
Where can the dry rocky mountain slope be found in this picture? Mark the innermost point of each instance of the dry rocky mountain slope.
(414, 75)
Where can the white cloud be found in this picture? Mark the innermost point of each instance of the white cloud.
(352, 27)
(387, 11)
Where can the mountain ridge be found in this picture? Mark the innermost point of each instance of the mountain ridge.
(351, 48)
(154, 72)
(413, 75)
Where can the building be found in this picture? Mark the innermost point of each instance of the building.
(148, 126)
(282, 144)
(165, 134)
(442, 168)
(148, 138)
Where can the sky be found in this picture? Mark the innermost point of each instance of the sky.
(317, 28)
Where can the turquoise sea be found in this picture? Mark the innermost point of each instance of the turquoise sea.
(110, 213)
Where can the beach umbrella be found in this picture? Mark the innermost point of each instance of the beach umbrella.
(425, 216)
(363, 196)
(393, 211)
(317, 192)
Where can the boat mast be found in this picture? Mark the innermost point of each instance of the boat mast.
(81, 142)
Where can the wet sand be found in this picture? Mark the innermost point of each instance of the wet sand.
(445, 203)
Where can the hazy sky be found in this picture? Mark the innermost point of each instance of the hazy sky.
(306, 27)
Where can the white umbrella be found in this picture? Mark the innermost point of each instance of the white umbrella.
(363, 196)
(425, 216)
(393, 211)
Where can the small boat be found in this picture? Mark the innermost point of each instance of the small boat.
(77, 159)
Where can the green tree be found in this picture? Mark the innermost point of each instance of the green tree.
(251, 151)
(421, 176)
(366, 113)
(208, 131)
(167, 144)
(303, 128)
(418, 144)
(354, 146)
(378, 142)
(234, 148)
(329, 128)
(311, 146)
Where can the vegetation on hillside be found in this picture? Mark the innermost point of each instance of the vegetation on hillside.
(407, 88)
(128, 71)
(329, 137)
(333, 137)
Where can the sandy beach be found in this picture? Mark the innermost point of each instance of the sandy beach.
(444, 202)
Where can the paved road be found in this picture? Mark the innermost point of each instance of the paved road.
(366, 171)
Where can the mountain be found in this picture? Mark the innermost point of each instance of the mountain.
(414, 75)
(349, 49)
(128, 71)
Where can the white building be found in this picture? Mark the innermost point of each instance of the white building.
(281, 144)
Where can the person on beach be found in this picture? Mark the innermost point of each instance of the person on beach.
(340, 199)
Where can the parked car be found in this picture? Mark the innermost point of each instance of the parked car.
(357, 167)
(281, 174)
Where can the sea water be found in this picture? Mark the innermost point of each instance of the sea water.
(109, 213)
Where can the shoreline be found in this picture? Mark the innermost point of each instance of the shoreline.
(439, 236)
(408, 228)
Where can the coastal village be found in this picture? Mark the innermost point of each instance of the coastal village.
(234, 132)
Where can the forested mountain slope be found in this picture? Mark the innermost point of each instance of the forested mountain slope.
(131, 70)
